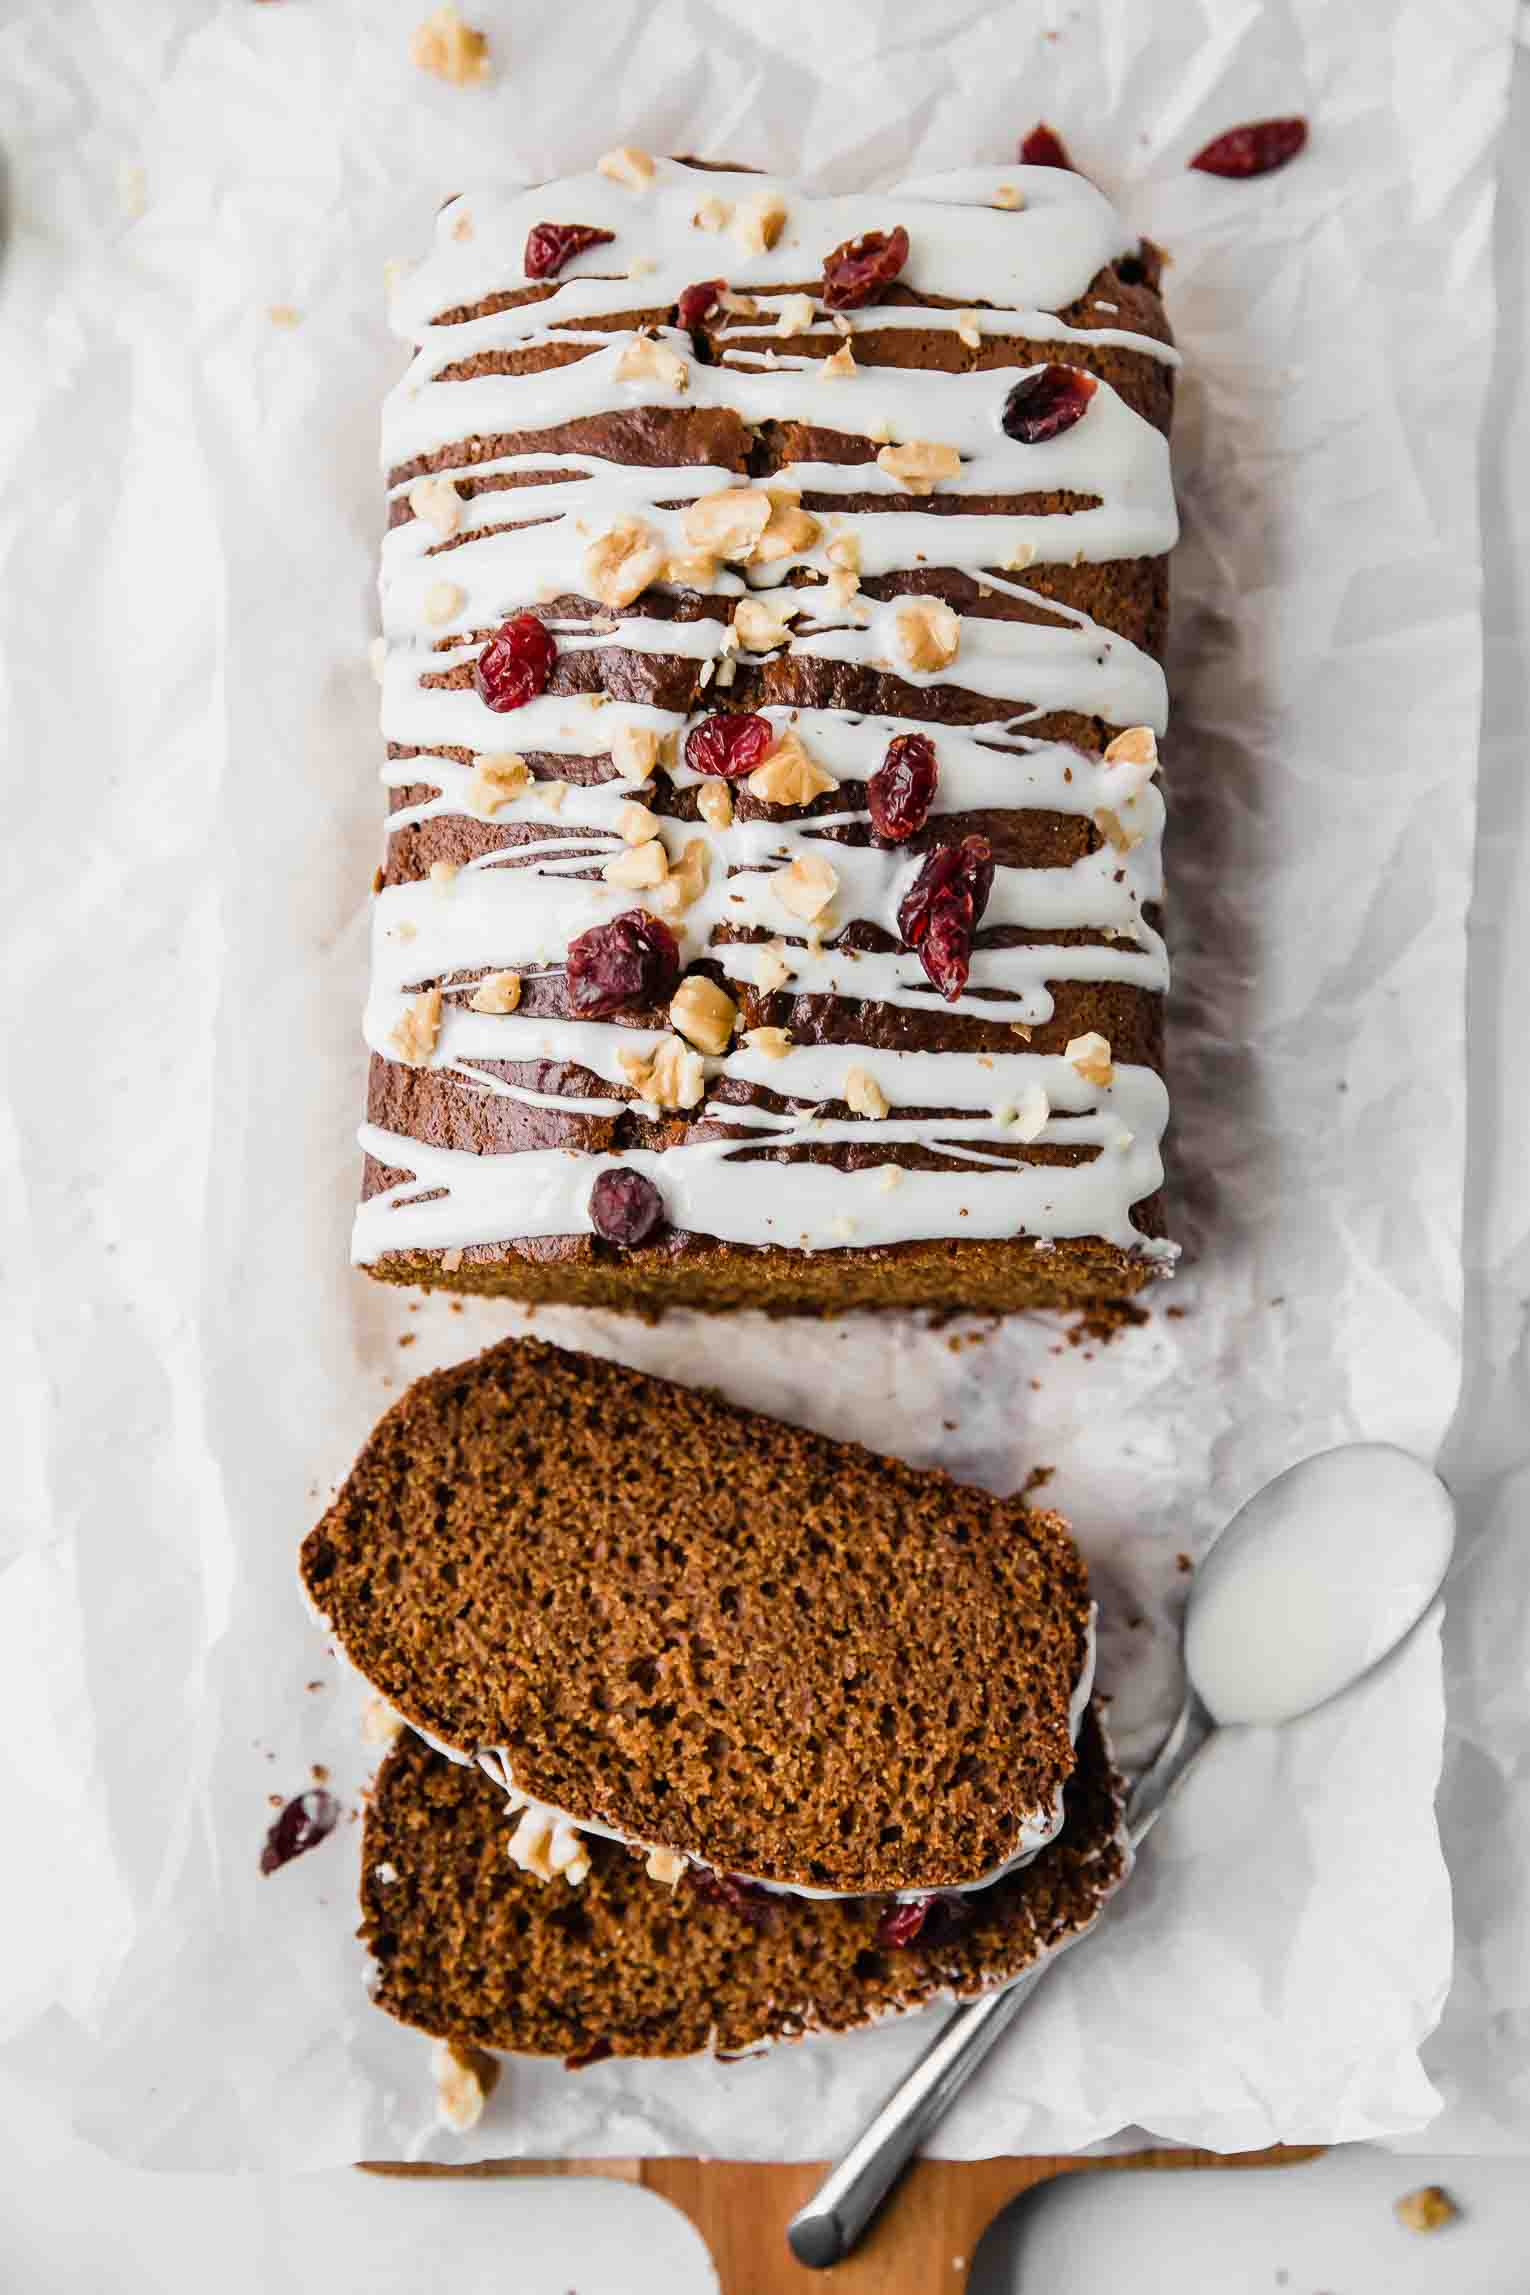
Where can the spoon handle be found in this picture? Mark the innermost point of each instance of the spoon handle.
(824, 2231)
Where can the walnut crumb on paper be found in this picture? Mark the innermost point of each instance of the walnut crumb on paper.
(1430, 2208)
(450, 49)
(465, 2079)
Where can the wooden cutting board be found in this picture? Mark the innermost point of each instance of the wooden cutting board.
(941, 2212)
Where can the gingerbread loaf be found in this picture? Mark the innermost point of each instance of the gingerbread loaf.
(467, 1948)
(773, 602)
(736, 1643)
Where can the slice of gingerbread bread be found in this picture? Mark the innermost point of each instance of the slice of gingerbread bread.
(708, 1632)
(468, 1949)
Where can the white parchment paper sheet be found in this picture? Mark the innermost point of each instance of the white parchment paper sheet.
(187, 555)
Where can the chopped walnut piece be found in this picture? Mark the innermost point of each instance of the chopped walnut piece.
(1138, 745)
(1022, 555)
(635, 751)
(1429, 2208)
(1091, 1056)
(790, 530)
(760, 623)
(452, 1260)
(789, 776)
(671, 1077)
(844, 552)
(443, 875)
(380, 1725)
(687, 879)
(841, 363)
(1025, 1116)
(643, 866)
(728, 524)
(738, 306)
(864, 1094)
(413, 1037)
(1007, 196)
(771, 970)
(645, 360)
(796, 315)
(627, 165)
(497, 780)
(499, 992)
(770, 1043)
(703, 1013)
(635, 823)
(968, 330)
(620, 564)
(929, 633)
(758, 226)
(554, 795)
(454, 51)
(714, 802)
(442, 600)
(545, 1845)
(713, 215)
(692, 569)
(920, 462)
(1113, 830)
(808, 886)
(438, 503)
(465, 2078)
(665, 1866)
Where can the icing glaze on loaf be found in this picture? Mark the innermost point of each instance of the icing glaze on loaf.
(520, 390)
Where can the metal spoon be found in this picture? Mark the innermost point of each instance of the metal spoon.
(1314, 1582)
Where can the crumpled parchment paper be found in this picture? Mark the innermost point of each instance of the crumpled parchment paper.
(202, 200)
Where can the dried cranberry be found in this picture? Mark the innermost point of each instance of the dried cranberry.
(1046, 404)
(902, 789)
(927, 1920)
(1257, 149)
(301, 1826)
(901, 1923)
(633, 960)
(699, 302)
(729, 747)
(625, 1208)
(1044, 147)
(516, 664)
(938, 914)
(550, 245)
(858, 270)
(751, 1902)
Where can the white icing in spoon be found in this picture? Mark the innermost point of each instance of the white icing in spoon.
(1316, 1580)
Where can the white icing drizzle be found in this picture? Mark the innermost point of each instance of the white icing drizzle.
(519, 906)
(1033, 1835)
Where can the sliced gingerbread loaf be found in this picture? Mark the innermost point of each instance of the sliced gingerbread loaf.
(467, 1948)
(707, 1631)
(771, 913)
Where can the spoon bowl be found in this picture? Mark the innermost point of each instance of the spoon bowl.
(1314, 1581)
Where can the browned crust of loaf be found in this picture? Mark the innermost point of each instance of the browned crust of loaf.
(467, 1948)
(1129, 597)
(693, 1272)
(705, 1628)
